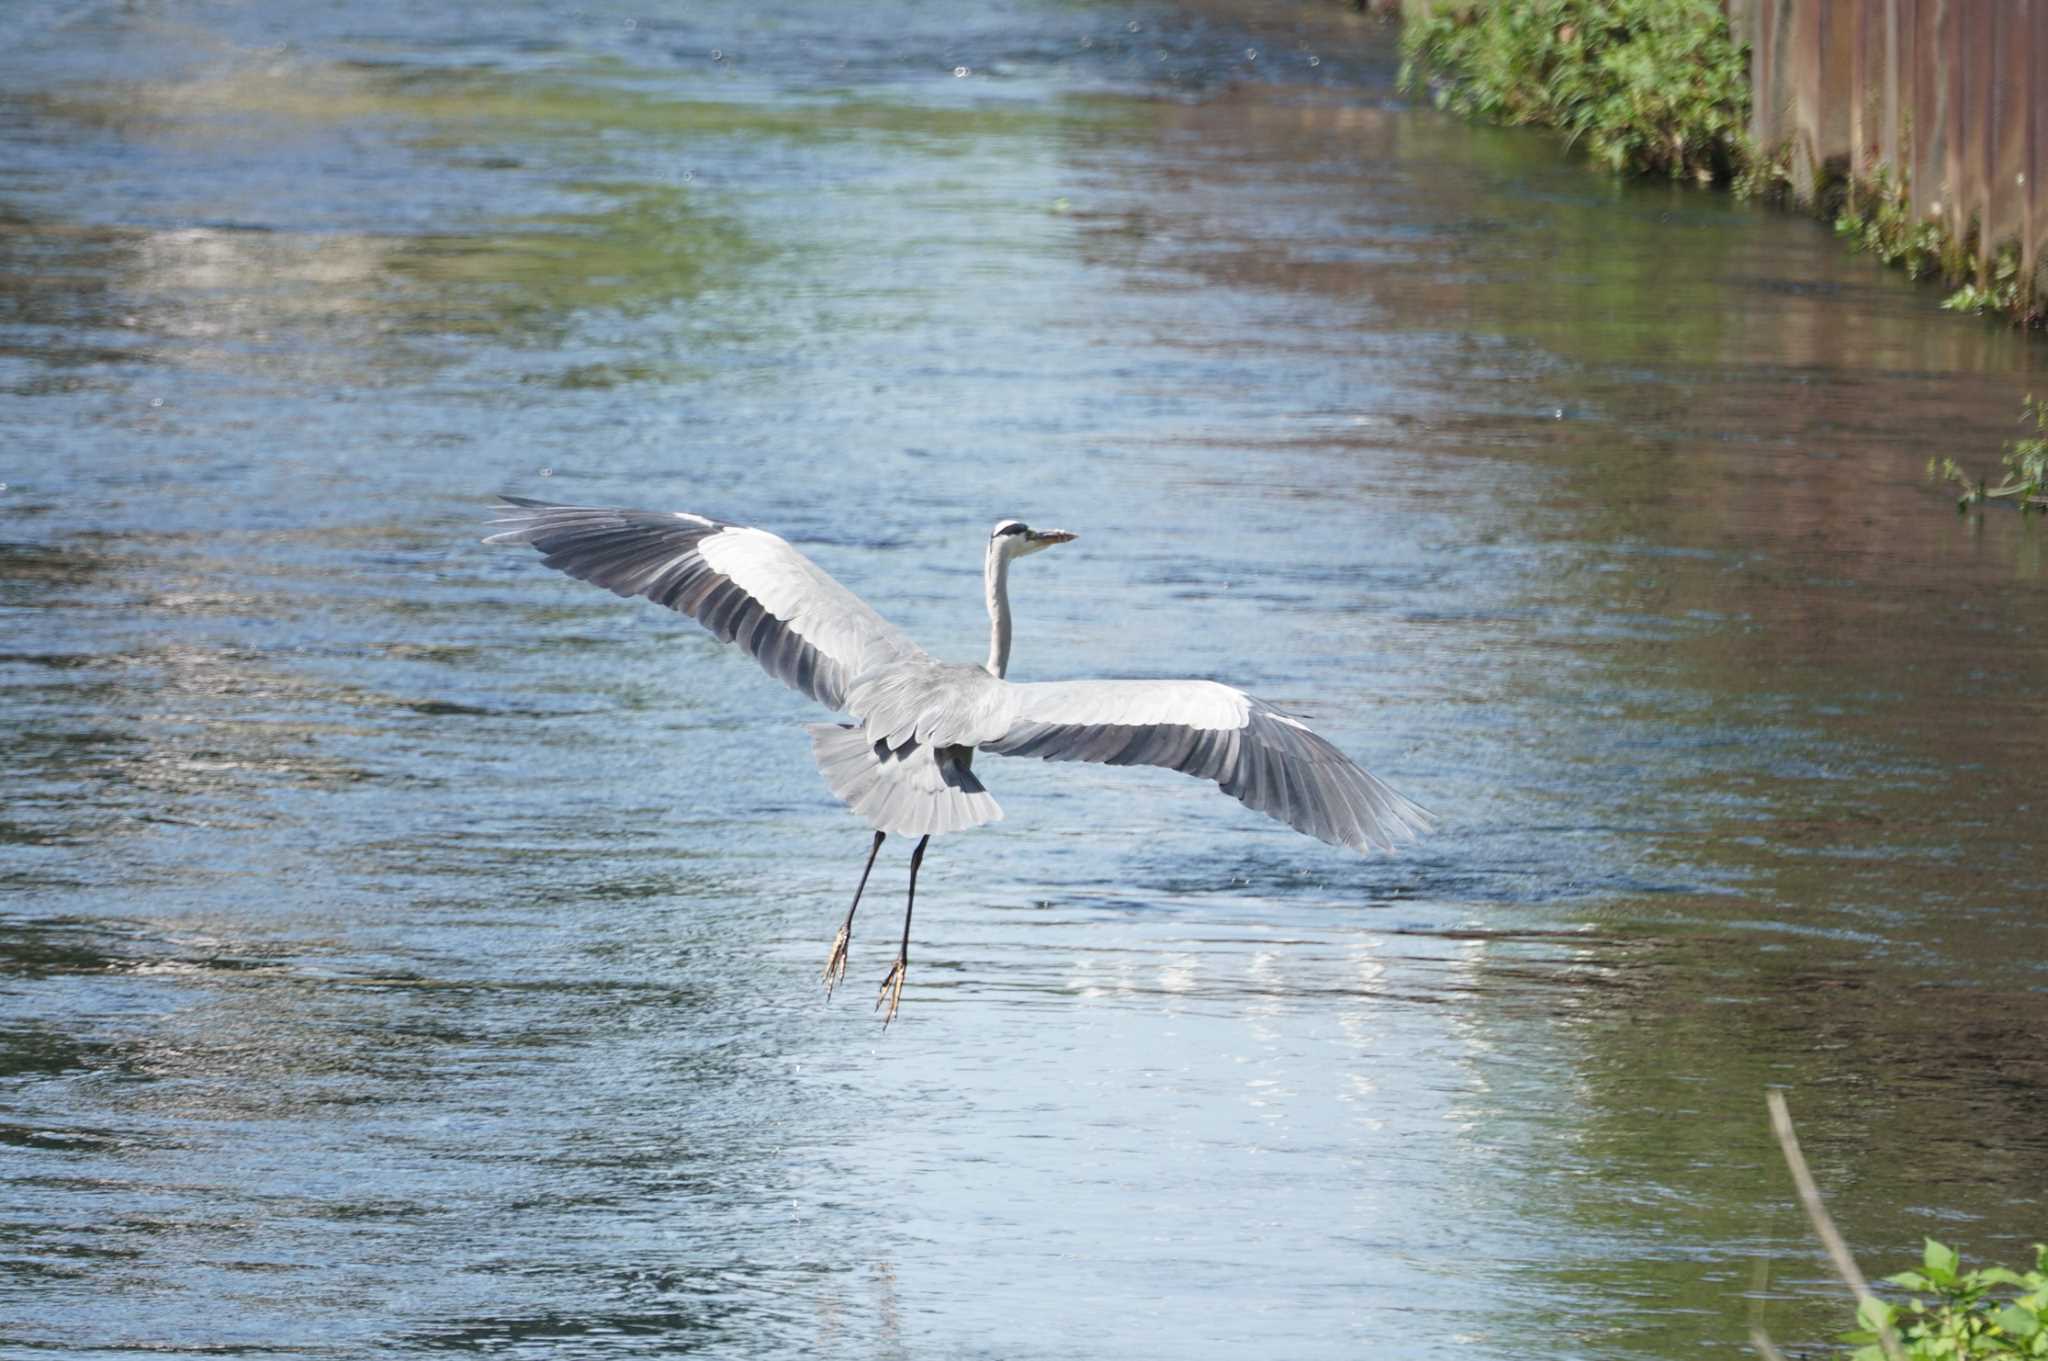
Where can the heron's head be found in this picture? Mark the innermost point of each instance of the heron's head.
(1014, 538)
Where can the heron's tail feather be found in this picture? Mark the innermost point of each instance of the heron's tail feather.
(914, 790)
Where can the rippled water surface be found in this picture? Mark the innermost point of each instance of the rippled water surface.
(404, 949)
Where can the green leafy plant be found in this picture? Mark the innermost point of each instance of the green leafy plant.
(1648, 86)
(1964, 1313)
(2026, 466)
(1999, 291)
(1879, 220)
(1661, 87)
(1965, 1319)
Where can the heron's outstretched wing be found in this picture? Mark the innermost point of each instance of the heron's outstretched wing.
(745, 585)
(1262, 757)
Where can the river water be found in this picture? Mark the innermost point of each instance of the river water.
(404, 949)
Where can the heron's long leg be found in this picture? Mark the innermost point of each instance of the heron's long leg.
(835, 967)
(892, 986)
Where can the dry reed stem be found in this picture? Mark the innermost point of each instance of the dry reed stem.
(1765, 1348)
(1823, 1226)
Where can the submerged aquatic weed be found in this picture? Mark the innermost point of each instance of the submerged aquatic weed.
(1648, 86)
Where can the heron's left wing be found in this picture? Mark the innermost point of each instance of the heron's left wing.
(745, 585)
(1262, 757)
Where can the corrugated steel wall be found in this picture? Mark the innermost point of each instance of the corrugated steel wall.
(1949, 97)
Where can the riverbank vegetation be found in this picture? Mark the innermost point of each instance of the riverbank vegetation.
(1661, 87)
(1647, 87)
(1952, 1315)
(2026, 467)
(1965, 1314)
(1877, 217)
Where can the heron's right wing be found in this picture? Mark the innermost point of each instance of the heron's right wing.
(745, 585)
(1261, 757)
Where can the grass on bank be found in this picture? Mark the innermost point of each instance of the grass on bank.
(1649, 87)
(1661, 88)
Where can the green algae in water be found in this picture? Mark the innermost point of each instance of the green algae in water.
(647, 247)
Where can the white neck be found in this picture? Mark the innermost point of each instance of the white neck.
(997, 578)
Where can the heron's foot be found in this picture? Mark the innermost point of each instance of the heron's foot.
(835, 967)
(892, 989)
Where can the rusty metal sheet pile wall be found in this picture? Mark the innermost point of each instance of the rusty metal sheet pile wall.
(1945, 95)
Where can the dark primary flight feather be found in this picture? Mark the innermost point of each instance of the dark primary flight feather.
(746, 585)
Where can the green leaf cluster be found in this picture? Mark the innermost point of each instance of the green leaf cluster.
(2000, 290)
(2026, 460)
(1992, 1312)
(1878, 218)
(1651, 87)
(2026, 466)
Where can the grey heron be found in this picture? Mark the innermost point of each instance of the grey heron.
(905, 764)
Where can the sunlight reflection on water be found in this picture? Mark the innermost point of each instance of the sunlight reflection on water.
(375, 900)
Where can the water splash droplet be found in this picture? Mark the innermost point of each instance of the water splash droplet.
(962, 72)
